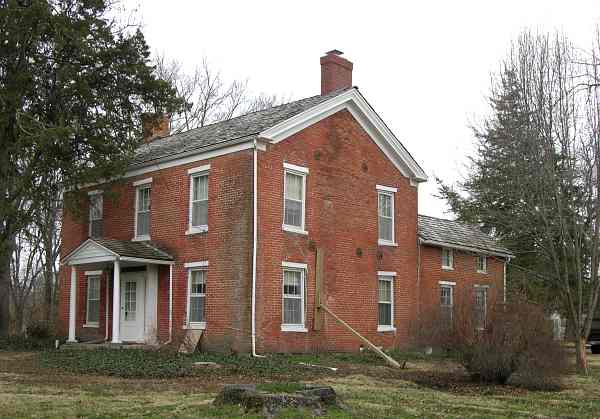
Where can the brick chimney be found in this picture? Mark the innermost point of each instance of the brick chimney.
(155, 126)
(336, 72)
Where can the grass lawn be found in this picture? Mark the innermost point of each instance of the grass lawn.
(48, 385)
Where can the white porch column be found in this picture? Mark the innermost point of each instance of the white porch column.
(72, 305)
(116, 316)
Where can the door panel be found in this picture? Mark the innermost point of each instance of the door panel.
(132, 306)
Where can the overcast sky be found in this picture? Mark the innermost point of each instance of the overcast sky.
(424, 66)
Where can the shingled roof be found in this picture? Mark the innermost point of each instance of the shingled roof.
(438, 231)
(128, 248)
(242, 128)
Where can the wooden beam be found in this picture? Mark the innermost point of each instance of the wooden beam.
(385, 356)
(318, 314)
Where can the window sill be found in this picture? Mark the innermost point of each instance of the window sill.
(196, 230)
(386, 329)
(447, 268)
(293, 328)
(141, 239)
(91, 325)
(292, 229)
(195, 326)
(386, 243)
(482, 272)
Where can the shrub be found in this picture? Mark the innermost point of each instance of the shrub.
(517, 342)
(39, 330)
(22, 343)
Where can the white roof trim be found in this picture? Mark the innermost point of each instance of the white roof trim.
(465, 248)
(110, 254)
(355, 103)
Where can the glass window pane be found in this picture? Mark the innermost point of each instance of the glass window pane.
(385, 314)
(293, 213)
(385, 205)
(143, 224)
(385, 228)
(196, 309)
(197, 282)
(93, 311)
(294, 186)
(292, 282)
(292, 313)
(199, 188)
(199, 213)
(385, 291)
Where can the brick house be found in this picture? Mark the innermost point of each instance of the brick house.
(228, 228)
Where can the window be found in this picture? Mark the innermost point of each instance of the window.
(447, 301)
(196, 298)
(92, 317)
(293, 297)
(198, 203)
(385, 209)
(447, 258)
(385, 301)
(96, 210)
(482, 264)
(142, 216)
(294, 191)
(480, 307)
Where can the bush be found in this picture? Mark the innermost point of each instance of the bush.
(517, 344)
(39, 330)
(22, 343)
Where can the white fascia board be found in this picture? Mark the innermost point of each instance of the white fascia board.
(386, 188)
(200, 264)
(386, 273)
(353, 101)
(294, 265)
(295, 168)
(142, 182)
(199, 169)
(147, 261)
(84, 261)
(74, 252)
(465, 248)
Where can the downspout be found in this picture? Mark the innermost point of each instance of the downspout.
(506, 262)
(254, 242)
(170, 305)
(106, 311)
(418, 279)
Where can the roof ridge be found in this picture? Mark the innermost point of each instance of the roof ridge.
(442, 219)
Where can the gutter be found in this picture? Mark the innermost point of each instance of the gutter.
(466, 248)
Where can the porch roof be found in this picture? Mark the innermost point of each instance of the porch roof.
(95, 250)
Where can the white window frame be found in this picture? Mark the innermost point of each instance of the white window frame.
(298, 171)
(485, 288)
(92, 275)
(194, 267)
(391, 192)
(451, 253)
(193, 173)
(140, 185)
(94, 195)
(390, 277)
(303, 269)
(484, 258)
(449, 285)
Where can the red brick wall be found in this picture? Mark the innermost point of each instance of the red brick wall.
(341, 217)
(464, 274)
(227, 245)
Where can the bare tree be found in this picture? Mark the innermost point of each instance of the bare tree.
(534, 178)
(208, 98)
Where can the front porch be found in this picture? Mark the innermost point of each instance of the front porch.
(130, 272)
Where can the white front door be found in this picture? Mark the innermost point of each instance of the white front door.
(132, 306)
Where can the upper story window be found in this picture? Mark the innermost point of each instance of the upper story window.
(198, 217)
(385, 290)
(294, 202)
(482, 264)
(142, 209)
(96, 214)
(293, 297)
(480, 307)
(447, 258)
(385, 210)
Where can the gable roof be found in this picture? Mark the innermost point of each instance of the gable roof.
(244, 127)
(103, 249)
(454, 234)
(275, 124)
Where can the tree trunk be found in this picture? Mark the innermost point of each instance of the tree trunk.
(581, 354)
(4, 288)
